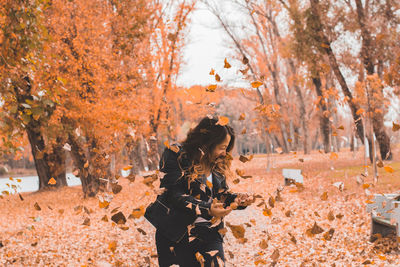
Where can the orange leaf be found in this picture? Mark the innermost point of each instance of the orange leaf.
(324, 196)
(395, 127)
(211, 88)
(222, 120)
(52, 181)
(217, 78)
(241, 117)
(226, 64)
(212, 72)
(256, 84)
(334, 156)
(112, 246)
(360, 111)
(389, 169)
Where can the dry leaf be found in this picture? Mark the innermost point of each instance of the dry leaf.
(256, 84)
(37, 207)
(52, 181)
(324, 196)
(226, 64)
(222, 120)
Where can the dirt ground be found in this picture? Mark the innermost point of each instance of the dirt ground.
(314, 225)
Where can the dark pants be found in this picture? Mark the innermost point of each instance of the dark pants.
(184, 253)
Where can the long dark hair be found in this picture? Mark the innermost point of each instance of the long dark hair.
(201, 142)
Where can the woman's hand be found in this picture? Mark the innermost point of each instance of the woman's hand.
(217, 210)
(244, 199)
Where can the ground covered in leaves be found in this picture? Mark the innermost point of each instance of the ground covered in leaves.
(323, 223)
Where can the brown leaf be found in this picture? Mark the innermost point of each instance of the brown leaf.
(314, 230)
(37, 207)
(140, 230)
(331, 216)
(116, 188)
(105, 219)
(86, 222)
(245, 60)
(324, 196)
(275, 255)
(238, 231)
(217, 78)
(293, 238)
(244, 159)
(271, 202)
(328, 235)
(118, 218)
(395, 127)
(263, 244)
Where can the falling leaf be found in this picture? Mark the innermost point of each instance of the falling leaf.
(324, 196)
(275, 255)
(244, 72)
(301, 160)
(395, 127)
(244, 159)
(263, 244)
(212, 72)
(137, 213)
(289, 140)
(329, 234)
(217, 78)
(118, 218)
(244, 131)
(222, 121)
(379, 164)
(334, 156)
(116, 188)
(140, 230)
(314, 230)
(86, 222)
(104, 218)
(331, 216)
(242, 116)
(341, 127)
(279, 150)
(293, 238)
(236, 181)
(127, 168)
(37, 207)
(267, 212)
(245, 60)
(52, 181)
(86, 164)
(360, 111)
(389, 169)
(104, 204)
(238, 231)
(288, 213)
(271, 202)
(226, 64)
(256, 84)
(20, 197)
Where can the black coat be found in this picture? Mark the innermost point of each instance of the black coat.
(189, 197)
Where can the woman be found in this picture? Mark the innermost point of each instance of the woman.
(195, 182)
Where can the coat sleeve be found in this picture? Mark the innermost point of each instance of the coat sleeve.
(176, 183)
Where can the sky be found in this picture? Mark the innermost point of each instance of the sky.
(206, 48)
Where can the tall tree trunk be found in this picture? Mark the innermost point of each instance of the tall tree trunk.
(90, 185)
(22, 91)
(57, 163)
(326, 47)
(367, 56)
(323, 118)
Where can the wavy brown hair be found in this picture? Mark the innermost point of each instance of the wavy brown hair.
(201, 142)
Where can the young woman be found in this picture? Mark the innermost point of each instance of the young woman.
(195, 183)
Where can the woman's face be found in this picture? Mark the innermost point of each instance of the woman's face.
(220, 149)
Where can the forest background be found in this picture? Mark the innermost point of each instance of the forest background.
(90, 87)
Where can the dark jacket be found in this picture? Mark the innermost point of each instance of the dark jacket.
(180, 195)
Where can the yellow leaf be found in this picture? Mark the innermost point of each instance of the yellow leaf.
(226, 64)
(389, 169)
(222, 120)
(52, 181)
(256, 84)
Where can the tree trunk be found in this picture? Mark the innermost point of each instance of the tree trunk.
(323, 40)
(57, 163)
(90, 185)
(323, 118)
(367, 56)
